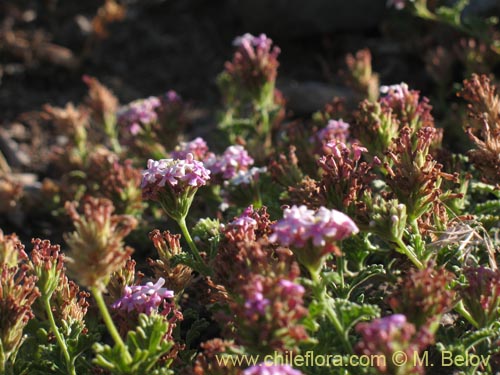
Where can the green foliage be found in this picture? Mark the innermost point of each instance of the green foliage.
(146, 344)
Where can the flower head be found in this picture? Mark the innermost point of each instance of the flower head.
(481, 296)
(135, 115)
(407, 105)
(311, 234)
(18, 292)
(11, 250)
(391, 334)
(198, 147)
(245, 224)
(256, 303)
(143, 298)
(267, 369)
(301, 225)
(255, 61)
(167, 245)
(337, 130)
(96, 246)
(232, 161)
(176, 175)
(48, 264)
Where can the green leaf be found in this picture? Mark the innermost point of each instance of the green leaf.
(147, 344)
(351, 313)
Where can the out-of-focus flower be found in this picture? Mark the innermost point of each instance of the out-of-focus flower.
(115, 179)
(232, 161)
(423, 296)
(360, 75)
(268, 369)
(484, 129)
(11, 250)
(481, 296)
(407, 105)
(18, 292)
(255, 303)
(244, 224)
(206, 361)
(375, 126)
(144, 298)
(70, 121)
(254, 62)
(246, 177)
(198, 147)
(101, 101)
(335, 130)
(96, 246)
(139, 113)
(385, 336)
(285, 169)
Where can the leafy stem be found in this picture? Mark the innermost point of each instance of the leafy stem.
(109, 323)
(460, 308)
(320, 293)
(409, 253)
(70, 365)
(194, 250)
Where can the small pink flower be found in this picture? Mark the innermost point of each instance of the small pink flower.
(143, 298)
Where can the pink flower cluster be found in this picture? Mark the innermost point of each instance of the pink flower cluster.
(177, 174)
(232, 161)
(255, 62)
(395, 92)
(340, 151)
(198, 147)
(256, 303)
(143, 298)
(337, 130)
(139, 113)
(301, 225)
(248, 41)
(245, 224)
(268, 369)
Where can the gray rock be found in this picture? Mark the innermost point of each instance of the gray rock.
(302, 18)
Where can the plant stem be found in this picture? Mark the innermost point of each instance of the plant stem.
(109, 322)
(60, 340)
(340, 270)
(460, 308)
(189, 240)
(326, 301)
(410, 254)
